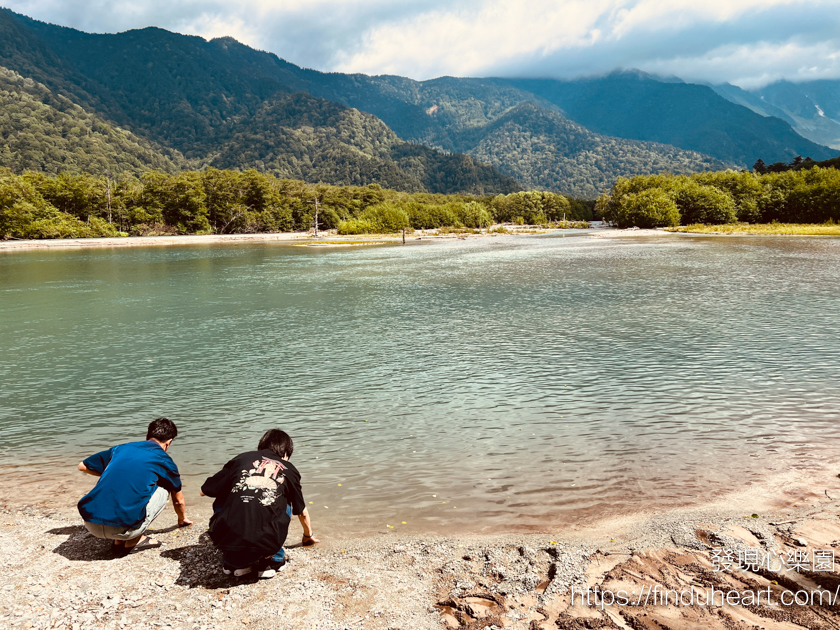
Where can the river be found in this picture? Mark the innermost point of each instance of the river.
(477, 384)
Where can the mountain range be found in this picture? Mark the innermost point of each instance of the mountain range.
(150, 98)
(812, 108)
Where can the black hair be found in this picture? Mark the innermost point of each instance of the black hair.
(162, 430)
(278, 442)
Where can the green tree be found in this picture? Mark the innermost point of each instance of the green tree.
(650, 208)
(383, 218)
(177, 200)
(703, 204)
(474, 215)
(815, 198)
(426, 216)
(24, 213)
(745, 188)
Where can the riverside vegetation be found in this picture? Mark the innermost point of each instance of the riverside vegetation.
(35, 205)
(807, 196)
(829, 228)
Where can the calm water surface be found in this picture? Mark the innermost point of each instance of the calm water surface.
(480, 383)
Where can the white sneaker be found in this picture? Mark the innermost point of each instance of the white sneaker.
(236, 572)
(270, 569)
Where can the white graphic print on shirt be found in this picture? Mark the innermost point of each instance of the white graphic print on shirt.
(263, 480)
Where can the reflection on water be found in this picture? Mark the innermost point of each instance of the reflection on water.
(472, 383)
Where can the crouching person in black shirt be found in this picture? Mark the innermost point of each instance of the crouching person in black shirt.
(256, 494)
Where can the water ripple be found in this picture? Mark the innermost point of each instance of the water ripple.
(534, 378)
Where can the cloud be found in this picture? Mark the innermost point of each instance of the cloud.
(746, 42)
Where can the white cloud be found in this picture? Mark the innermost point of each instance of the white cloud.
(212, 26)
(741, 41)
(757, 64)
(655, 15)
(465, 43)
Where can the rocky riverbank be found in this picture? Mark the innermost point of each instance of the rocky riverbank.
(57, 576)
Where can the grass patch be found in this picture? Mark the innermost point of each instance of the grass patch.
(803, 229)
(341, 243)
(457, 230)
(570, 225)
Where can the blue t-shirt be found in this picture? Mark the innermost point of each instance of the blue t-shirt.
(130, 474)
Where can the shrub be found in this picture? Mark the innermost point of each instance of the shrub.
(474, 215)
(648, 209)
(815, 198)
(534, 207)
(744, 187)
(356, 226)
(703, 204)
(385, 217)
(431, 216)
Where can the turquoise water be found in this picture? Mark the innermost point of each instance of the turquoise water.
(482, 383)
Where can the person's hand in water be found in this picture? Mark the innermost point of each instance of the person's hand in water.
(309, 540)
(184, 522)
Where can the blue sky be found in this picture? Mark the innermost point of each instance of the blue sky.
(745, 42)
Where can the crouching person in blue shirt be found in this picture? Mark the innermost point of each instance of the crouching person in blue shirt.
(256, 494)
(135, 483)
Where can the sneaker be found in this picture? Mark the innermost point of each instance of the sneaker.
(227, 570)
(268, 568)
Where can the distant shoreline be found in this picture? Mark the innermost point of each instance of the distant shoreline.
(328, 238)
(155, 241)
(331, 239)
(760, 229)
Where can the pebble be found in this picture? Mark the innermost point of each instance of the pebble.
(397, 582)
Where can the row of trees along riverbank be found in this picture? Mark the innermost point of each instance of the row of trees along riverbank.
(795, 196)
(34, 205)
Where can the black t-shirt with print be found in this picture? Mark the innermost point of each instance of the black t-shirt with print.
(252, 492)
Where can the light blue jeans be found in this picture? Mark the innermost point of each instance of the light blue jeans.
(154, 507)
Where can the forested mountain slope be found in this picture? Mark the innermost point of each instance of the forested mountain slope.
(299, 136)
(216, 102)
(537, 146)
(201, 99)
(636, 105)
(812, 108)
(629, 105)
(44, 132)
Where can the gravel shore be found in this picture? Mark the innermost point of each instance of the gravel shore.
(325, 238)
(58, 576)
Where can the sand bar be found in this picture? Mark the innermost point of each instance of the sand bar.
(326, 238)
(192, 239)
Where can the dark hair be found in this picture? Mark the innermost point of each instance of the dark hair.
(278, 442)
(162, 430)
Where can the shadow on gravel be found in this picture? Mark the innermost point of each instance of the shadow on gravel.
(67, 531)
(163, 530)
(81, 546)
(201, 565)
